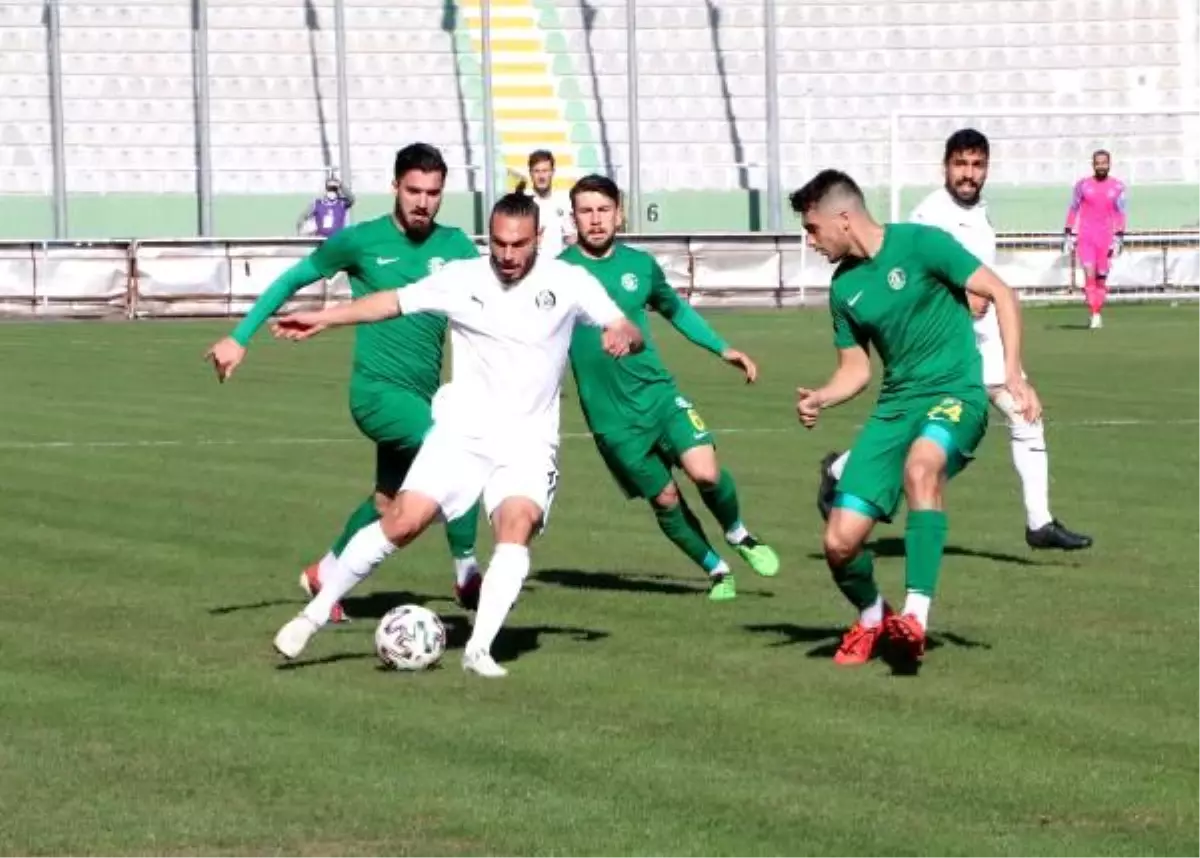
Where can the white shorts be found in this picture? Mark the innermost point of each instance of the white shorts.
(991, 348)
(455, 472)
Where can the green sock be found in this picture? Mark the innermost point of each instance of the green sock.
(722, 501)
(856, 580)
(681, 526)
(360, 518)
(460, 533)
(924, 542)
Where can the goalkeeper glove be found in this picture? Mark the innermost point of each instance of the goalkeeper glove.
(1068, 241)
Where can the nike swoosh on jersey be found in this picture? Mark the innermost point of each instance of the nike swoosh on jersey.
(381, 260)
(854, 300)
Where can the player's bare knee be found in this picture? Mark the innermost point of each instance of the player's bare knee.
(922, 482)
(667, 498)
(515, 521)
(840, 546)
(404, 519)
(701, 466)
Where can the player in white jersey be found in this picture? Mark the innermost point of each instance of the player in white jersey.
(959, 209)
(495, 423)
(554, 207)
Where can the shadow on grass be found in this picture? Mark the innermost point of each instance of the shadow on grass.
(893, 546)
(512, 642)
(827, 639)
(578, 579)
(368, 606)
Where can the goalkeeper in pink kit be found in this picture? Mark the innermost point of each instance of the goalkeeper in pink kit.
(1096, 228)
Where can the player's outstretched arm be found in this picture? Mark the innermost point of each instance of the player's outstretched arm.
(593, 307)
(622, 337)
(851, 377)
(227, 353)
(372, 308)
(986, 284)
(694, 327)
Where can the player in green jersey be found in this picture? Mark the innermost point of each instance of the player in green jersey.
(901, 288)
(642, 424)
(397, 364)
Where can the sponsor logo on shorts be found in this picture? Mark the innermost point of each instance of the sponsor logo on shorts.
(629, 282)
(896, 279)
(545, 300)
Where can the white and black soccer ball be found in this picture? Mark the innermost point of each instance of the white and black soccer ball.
(410, 637)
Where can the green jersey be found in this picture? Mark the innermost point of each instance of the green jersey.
(910, 302)
(633, 392)
(377, 255)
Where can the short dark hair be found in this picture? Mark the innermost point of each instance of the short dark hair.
(419, 156)
(537, 156)
(966, 140)
(517, 205)
(596, 184)
(1103, 152)
(822, 185)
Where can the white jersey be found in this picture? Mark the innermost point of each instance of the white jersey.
(509, 344)
(970, 225)
(555, 220)
(974, 231)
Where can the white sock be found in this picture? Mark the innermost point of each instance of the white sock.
(1031, 461)
(736, 534)
(722, 568)
(872, 614)
(839, 465)
(917, 604)
(465, 568)
(326, 566)
(501, 586)
(366, 550)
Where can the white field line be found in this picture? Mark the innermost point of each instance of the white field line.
(134, 443)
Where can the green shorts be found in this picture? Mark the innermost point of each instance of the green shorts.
(641, 460)
(875, 472)
(397, 420)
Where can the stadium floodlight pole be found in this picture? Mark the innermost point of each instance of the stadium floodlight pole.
(774, 156)
(633, 205)
(54, 49)
(489, 119)
(343, 93)
(1189, 36)
(203, 114)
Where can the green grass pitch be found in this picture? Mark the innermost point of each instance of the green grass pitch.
(154, 524)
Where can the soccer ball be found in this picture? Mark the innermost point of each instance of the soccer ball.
(410, 638)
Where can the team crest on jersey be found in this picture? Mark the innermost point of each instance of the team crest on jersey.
(545, 300)
(629, 282)
(896, 279)
(436, 264)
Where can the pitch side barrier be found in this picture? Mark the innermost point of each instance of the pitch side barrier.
(158, 278)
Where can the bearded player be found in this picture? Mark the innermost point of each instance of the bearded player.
(495, 433)
(643, 425)
(902, 289)
(960, 210)
(397, 363)
(1096, 229)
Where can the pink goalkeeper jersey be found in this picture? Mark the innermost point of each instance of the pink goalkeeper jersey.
(1097, 208)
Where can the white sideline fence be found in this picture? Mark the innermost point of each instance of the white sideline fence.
(223, 277)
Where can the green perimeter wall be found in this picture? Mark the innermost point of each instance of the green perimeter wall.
(90, 216)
